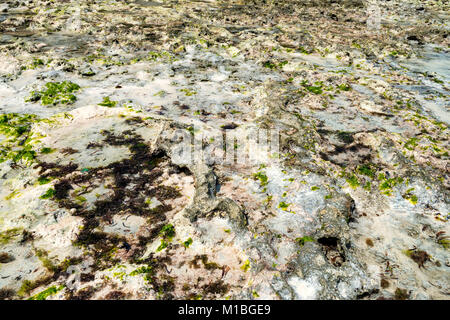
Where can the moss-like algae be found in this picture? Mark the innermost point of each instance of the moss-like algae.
(54, 93)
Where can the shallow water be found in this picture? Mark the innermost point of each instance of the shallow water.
(434, 94)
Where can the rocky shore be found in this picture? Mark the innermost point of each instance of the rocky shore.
(98, 202)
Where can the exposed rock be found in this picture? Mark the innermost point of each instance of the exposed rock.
(116, 182)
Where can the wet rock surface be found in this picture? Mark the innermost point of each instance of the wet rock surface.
(97, 201)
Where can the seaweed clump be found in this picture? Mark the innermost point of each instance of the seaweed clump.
(418, 256)
(216, 287)
(204, 259)
(54, 93)
(5, 257)
(17, 143)
(6, 293)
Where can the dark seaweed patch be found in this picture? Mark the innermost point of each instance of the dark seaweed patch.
(115, 295)
(204, 259)
(134, 181)
(217, 287)
(55, 170)
(82, 294)
(6, 293)
(62, 189)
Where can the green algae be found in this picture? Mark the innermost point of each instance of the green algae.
(107, 102)
(47, 150)
(353, 181)
(443, 240)
(8, 235)
(387, 184)
(48, 194)
(301, 241)
(54, 93)
(13, 195)
(148, 272)
(274, 65)
(314, 89)
(167, 232)
(188, 92)
(246, 266)
(317, 88)
(408, 195)
(47, 293)
(411, 144)
(283, 205)
(164, 55)
(18, 143)
(35, 63)
(367, 170)
(262, 177)
(46, 262)
(187, 243)
(44, 180)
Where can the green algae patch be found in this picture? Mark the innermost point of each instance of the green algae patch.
(147, 271)
(13, 195)
(367, 171)
(353, 181)
(274, 65)
(163, 55)
(107, 103)
(246, 266)
(35, 63)
(387, 184)
(164, 244)
(314, 89)
(188, 92)
(317, 88)
(15, 125)
(46, 293)
(408, 195)
(141, 270)
(48, 194)
(17, 130)
(167, 233)
(262, 177)
(46, 262)
(411, 144)
(26, 155)
(344, 87)
(8, 235)
(26, 287)
(283, 205)
(187, 243)
(43, 180)
(54, 93)
(443, 239)
(46, 150)
(301, 241)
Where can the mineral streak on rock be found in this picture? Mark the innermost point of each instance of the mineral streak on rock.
(98, 201)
